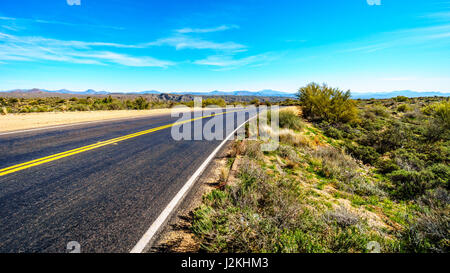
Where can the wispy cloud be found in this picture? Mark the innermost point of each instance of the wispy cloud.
(41, 21)
(7, 18)
(19, 48)
(186, 42)
(207, 30)
(443, 15)
(229, 62)
(432, 35)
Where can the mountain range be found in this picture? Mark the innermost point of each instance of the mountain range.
(406, 93)
(262, 93)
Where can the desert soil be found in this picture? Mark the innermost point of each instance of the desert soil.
(15, 122)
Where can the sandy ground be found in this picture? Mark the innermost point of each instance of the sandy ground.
(14, 122)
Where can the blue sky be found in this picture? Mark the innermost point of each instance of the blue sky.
(204, 45)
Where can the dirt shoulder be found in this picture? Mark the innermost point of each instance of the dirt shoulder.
(15, 122)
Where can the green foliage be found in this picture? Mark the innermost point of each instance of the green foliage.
(411, 184)
(439, 126)
(54, 104)
(214, 102)
(441, 174)
(289, 119)
(429, 232)
(266, 214)
(401, 99)
(403, 108)
(326, 103)
(367, 154)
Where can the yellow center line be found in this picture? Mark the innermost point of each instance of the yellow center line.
(39, 161)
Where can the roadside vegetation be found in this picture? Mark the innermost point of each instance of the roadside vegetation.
(55, 104)
(348, 176)
(25, 105)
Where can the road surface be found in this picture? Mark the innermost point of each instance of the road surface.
(103, 196)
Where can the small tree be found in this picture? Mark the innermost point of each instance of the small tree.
(254, 101)
(326, 103)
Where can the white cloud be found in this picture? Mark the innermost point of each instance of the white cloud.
(74, 2)
(432, 35)
(206, 30)
(185, 42)
(7, 18)
(229, 62)
(444, 15)
(18, 48)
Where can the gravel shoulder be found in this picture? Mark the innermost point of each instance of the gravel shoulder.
(15, 122)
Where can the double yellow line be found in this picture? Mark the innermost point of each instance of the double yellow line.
(39, 161)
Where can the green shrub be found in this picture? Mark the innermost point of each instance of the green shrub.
(403, 108)
(442, 174)
(429, 233)
(290, 120)
(333, 132)
(410, 184)
(254, 101)
(401, 99)
(326, 103)
(385, 166)
(366, 154)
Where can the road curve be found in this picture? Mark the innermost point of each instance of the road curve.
(104, 198)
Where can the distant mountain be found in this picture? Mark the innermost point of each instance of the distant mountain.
(148, 92)
(61, 91)
(262, 93)
(406, 93)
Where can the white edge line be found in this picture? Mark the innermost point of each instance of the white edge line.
(153, 229)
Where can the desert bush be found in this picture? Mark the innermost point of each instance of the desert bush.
(289, 119)
(334, 164)
(441, 174)
(140, 103)
(342, 217)
(403, 108)
(379, 111)
(410, 184)
(385, 166)
(408, 159)
(267, 214)
(289, 137)
(430, 232)
(326, 103)
(333, 132)
(366, 154)
(438, 198)
(439, 125)
(215, 102)
(289, 153)
(401, 99)
(253, 149)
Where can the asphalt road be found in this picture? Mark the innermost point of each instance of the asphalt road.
(105, 198)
